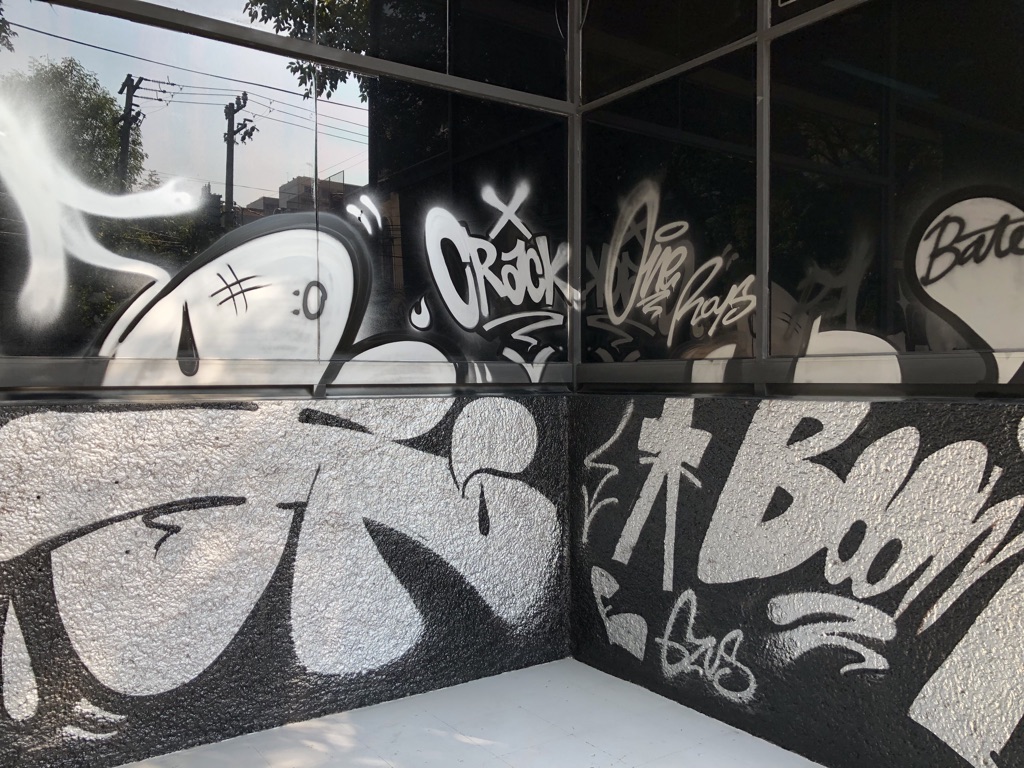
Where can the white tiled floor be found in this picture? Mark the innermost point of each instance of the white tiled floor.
(559, 715)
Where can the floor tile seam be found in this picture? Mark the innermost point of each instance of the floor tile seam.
(266, 759)
(501, 708)
(361, 728)
(535, 745)
(374, 752)
(332, 750)
(569, 730)
(670, 750)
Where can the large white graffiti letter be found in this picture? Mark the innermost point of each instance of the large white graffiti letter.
(773, 513)
(676, 450)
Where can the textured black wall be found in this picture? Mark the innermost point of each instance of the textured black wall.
(838, 577)
(174, 576)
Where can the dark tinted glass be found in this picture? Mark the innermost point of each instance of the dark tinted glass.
(468, 254)
(514, 43)
(896, 144)
(624, 43)
(787, 9)
(670, 219)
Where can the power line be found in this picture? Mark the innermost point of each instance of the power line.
(326, 130)
(312, 120)
(168, 102)
(262, 100)
(322, 101)
(357, 153)
(209, 181)
(307, 128)
(357, 161)
(152, 61)
(178, 67)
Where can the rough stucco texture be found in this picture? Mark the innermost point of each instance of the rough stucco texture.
(172, 576)
(841, 578)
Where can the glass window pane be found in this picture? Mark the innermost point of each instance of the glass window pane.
(379, 223)
(519, 44)
(895, 186)
(463, 207)
(129, 235)
(514, 43)
(670, 219)
(624, 43)
(783, 10)
(293, 18)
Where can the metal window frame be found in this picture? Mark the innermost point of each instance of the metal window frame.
(260, 40)
(761, 375)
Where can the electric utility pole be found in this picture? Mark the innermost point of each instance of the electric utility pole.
(245, 132)
(129, 118)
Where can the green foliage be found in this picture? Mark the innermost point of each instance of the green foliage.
(6, 33)
(80, 116)
(408, 31)
(340, 24)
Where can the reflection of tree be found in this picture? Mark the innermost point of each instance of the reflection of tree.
(408, 31)
(408, 123)
(6, 33)
(80, 116)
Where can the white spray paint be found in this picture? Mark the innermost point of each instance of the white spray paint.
(855, 358)
(667, 270)
(707, 657)
(849, 621)
(626, 630)
(150, 599)
(675, 450)
(970, 261)
(975, 700)
(280, 297)
(947, 491)
(593, 503)
(20, 693)
(53, 203)
(369, 616)
(527, 276)
(397, 362)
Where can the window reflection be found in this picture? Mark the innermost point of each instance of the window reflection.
(670, 219)
(892, 168)
(249, 215)
(623, 43)
(99, 106)
(293, 18)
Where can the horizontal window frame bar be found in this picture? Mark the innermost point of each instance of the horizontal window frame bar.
(771, 33)
(227, 32)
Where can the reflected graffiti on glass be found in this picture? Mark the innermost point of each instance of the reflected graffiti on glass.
(288, 294)
(660, 291)
(526, 277)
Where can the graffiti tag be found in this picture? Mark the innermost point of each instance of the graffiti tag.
(530, 276)
(714, 660)
(667, 269)
(954, 245)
